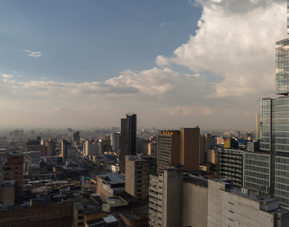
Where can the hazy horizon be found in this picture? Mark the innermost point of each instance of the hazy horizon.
(87, 64)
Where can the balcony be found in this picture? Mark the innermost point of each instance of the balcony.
(152, 199)
(155, 224)
(153, 193)
(154, 212)
(153, 205)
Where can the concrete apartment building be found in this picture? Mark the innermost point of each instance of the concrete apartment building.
(230, 165)
(179, 147)
(136, 177)
(165, 200)
(12, 170)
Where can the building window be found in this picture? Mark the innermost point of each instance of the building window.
(15, 157)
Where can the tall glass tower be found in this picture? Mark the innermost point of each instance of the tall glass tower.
(274, 124)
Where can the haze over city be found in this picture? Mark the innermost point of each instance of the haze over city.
(173, 63)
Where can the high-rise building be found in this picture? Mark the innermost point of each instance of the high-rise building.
(153, 149)
(177, 199)
(92, 148)
(230, 165)
(64, 145)
(127, 139)
(179, 147)
(165, 197)
(51, 145)
(231, 206)
(274, 122)
(115, 140)
(76, 137)
(206, 142)
(12, 171)
(136, 176)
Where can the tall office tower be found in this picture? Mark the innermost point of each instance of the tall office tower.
(127, 139)
(13, 171)
(76, 137)
(115, 139)
(136, 176)
(64, 145)
(274, 122)
(179, 147)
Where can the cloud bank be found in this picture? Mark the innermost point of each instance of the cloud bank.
(235, 39)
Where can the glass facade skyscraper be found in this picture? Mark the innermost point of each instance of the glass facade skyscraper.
(274, 124)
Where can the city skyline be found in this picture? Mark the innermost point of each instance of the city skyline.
(208, 64)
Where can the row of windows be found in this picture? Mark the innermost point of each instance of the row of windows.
(257, 157)
(255, 180)
(281, 193)
(256, 163)
(281, 180)
(258, 175)
(257, 169)
(281, 167)
(254, 186)
(281, 173)
(282, 160)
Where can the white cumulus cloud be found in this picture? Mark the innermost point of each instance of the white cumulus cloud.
(33, 54)
(7, 76)
(236, 40)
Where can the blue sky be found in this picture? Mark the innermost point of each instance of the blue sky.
(90, 40)
(174, 63)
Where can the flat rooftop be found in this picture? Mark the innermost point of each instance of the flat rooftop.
(196, 180)
(85, 204)
(137, 214)
(113, 178)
